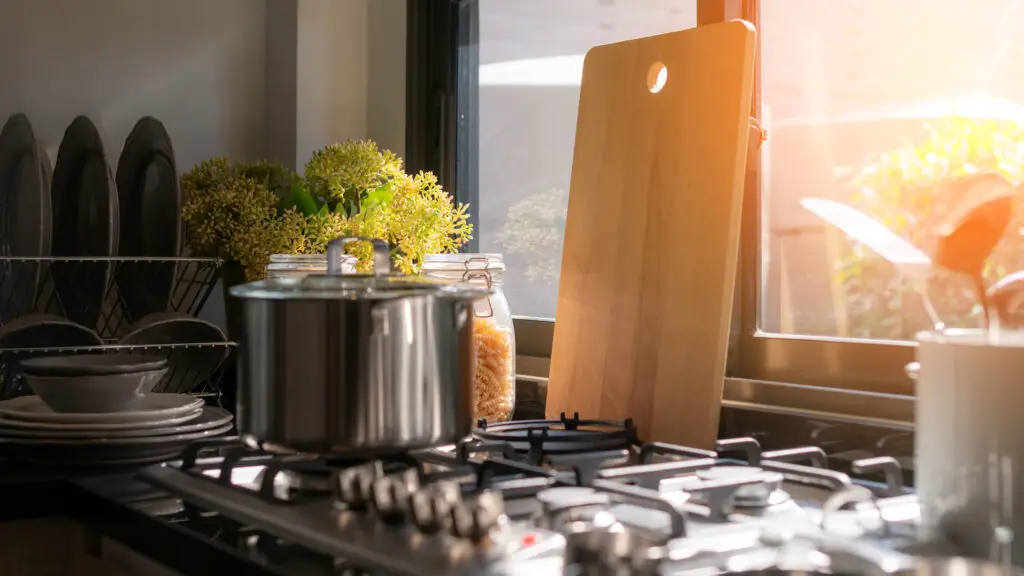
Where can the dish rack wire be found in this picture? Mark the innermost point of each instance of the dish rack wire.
(30, 285)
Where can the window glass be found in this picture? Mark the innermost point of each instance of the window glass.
(531, 60)
(882, 105)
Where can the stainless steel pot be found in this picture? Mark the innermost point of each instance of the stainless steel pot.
(345, 364)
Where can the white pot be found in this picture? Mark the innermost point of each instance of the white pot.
(969, 472)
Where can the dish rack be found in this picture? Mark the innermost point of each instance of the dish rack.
(48, 286)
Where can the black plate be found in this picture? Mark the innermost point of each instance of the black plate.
(37, 331)
(150, 204)
(86, 216)
(187, 365)
(46, 331)
(25, 216)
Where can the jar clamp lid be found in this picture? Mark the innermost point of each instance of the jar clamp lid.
(477, 269)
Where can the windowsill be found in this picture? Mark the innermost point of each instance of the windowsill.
(837, 404)
(868, 408)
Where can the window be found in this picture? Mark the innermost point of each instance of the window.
(529, 68)
(876, 105)
(868, 103)
(871, 103)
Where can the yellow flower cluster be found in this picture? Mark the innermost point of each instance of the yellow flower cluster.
(245, 213)
(343, 172)
(412, 213)
(419, 219)
(234, 217)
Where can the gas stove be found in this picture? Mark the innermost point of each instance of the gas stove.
(566, 496)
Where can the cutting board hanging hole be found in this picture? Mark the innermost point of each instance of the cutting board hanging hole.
(657, 75)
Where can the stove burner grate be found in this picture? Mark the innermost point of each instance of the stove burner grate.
(540, 438)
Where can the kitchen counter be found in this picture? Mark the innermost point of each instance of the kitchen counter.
(100, 517)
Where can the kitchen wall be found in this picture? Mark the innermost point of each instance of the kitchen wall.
(360, 91)
(246, 79)
(228, 77)
(196, 65)
(385, 80)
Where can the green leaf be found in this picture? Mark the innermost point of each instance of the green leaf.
(377, 196)
(339, 208)
(304, 201)
(299, 199)
(324, 210)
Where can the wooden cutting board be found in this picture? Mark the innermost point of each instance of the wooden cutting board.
(652, 232)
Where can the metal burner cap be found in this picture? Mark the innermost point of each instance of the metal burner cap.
(766, 493)
(563, 506)
(563, 498)
(730, 472)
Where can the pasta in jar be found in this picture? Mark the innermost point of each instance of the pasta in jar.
(494, 379)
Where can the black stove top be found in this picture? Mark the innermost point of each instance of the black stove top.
(495, 503)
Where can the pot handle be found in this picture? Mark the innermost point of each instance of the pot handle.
(381, 255)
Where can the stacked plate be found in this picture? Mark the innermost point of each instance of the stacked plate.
(123, 424)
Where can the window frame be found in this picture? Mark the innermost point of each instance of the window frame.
(442, 112)
(443, 136)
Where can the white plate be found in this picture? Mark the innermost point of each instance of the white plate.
(210, 418)
(97, 452)
(91, 427)
(172, 439)
(151, 407)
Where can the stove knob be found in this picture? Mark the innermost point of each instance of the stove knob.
(354, 484)
(597, 542)
(431, 506)
(605, 546)
(474, 516)
(391, 494)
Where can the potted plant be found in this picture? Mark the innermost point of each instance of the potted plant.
(902, 189)
(245, 212)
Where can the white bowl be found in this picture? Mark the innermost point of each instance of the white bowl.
(93, 394)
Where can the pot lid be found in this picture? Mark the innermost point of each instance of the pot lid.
(355, 287)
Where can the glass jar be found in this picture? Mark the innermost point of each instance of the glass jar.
(298, 265)
(494, 335)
